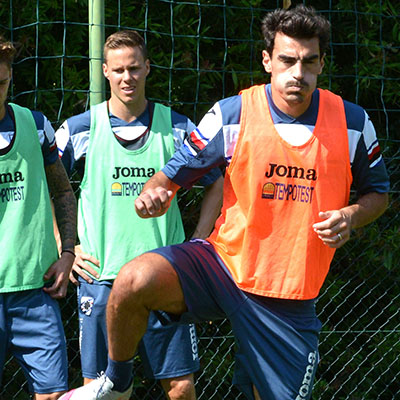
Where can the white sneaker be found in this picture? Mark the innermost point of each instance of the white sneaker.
(99, 389)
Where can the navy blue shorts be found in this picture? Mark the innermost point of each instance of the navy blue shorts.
(31, 330)
(165, 351)
(276, 339)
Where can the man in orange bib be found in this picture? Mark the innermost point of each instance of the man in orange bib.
(291, 152)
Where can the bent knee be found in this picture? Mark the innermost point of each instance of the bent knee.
(150, 280)
(133, 279)
(148, 272)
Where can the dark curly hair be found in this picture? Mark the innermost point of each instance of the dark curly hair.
(300, 22)
(7, 52)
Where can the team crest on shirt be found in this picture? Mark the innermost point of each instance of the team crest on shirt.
(87, 305)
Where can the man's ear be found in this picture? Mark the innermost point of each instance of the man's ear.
(322, 63)
(105, 70)
(266, 61)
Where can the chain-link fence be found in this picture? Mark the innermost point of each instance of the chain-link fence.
(200, 52)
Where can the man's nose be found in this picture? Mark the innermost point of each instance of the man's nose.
(126, 75)
(298, 70)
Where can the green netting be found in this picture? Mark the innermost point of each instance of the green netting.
(205, 50)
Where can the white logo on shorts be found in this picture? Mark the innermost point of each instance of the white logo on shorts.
(193, 340)
(305, 388)
(87, 305)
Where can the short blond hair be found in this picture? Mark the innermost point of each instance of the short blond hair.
(126, 38)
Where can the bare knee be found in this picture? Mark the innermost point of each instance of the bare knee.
(180, 388)
(149, 280)
(131, 280)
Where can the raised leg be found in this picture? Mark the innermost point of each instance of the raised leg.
(149, 282)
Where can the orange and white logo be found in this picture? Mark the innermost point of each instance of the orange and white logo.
(268, 191)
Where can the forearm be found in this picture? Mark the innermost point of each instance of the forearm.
(210, 209)
(367, 209)
(64, 204)
(64, 217)
(160, 180)
(65, 213)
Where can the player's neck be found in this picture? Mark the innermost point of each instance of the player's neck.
(2, 111)
(126, 111)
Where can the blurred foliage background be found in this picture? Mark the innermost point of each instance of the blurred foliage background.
(205, 50)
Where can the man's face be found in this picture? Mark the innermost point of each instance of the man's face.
(5, 77)
(126, 70)
(294, 66)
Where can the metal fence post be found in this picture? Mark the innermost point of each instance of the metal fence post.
(96, 40)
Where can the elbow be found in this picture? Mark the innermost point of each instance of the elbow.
(381, 202)
(385, 201)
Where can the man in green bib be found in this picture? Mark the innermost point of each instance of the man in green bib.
(32, 275)
(123, 142)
